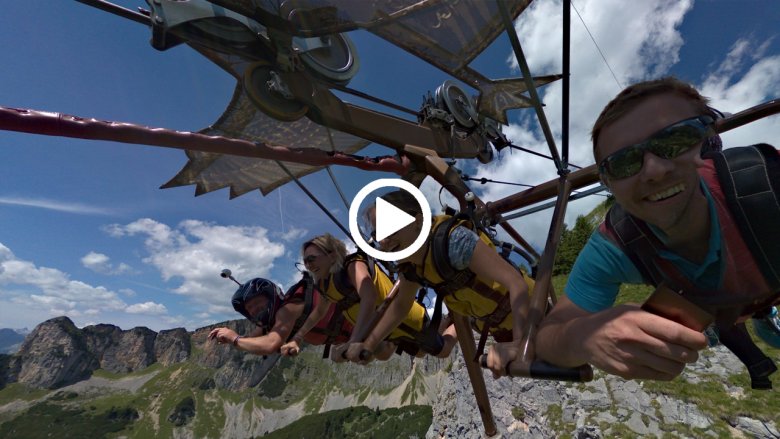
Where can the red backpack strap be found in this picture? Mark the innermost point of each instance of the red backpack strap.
(749, 177)
(301, 291)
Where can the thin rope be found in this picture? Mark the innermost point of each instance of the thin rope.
(373, 99)
(338, 188)
(281, 215)
(484, 180)
(530, 151)
(316, 201)
(574, 196)
(330, 173)
(597, 46)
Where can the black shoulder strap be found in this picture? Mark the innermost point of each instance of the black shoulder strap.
(344, 285)
(750, 178)
(639, 244)
(737, 339)
(409, 271)
(361, 256)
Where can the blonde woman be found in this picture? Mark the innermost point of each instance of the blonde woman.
(358, 285)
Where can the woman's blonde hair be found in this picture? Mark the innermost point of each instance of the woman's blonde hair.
(330, 245)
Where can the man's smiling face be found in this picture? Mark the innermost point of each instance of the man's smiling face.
(661, 193)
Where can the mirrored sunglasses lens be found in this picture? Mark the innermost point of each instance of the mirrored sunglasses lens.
(676, 141)
(667, 144)
(625, 163)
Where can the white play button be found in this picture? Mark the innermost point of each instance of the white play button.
(389, 219)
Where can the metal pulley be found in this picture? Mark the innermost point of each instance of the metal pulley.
(266, 89)
(453, 99)
(332, 58)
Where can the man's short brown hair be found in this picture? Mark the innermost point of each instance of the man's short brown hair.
(632, 95)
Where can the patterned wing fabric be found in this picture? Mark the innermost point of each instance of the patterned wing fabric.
(242, 120)
(448, 34)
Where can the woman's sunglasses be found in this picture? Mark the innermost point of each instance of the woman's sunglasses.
(667, 143)
(308, 260)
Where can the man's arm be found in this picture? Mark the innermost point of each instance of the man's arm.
(263, 344)
(293, 347)
(624, 341)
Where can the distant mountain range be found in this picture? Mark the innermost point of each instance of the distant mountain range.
(102, 381)
(11, 339)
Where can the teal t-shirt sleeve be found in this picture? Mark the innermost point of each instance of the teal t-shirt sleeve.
(597, 274)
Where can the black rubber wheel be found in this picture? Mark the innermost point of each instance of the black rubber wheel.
(337, 62)
(270, 102)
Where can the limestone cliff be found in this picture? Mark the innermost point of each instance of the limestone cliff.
(184, 385)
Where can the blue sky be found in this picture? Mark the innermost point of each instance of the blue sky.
(85, 231)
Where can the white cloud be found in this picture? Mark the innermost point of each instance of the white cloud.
(100, 263)
(194, 252)
(293, 233)
(149, 308)
(95, 261)
(732, 92)
(128, 292)
(48, 292)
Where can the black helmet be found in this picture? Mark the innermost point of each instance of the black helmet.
(259, 287)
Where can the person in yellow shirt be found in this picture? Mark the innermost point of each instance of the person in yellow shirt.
(479, 283)
(358, 286)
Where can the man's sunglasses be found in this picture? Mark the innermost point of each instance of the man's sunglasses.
(667, 143)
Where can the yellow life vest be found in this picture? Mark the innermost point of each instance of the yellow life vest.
(479, 298)
(338, 288)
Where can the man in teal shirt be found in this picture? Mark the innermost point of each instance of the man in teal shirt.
(658, 182)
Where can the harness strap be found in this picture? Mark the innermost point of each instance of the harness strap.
(345, 288)
(332, 331)
(334, 328)
(503, 308)
(739, 342)
(642, 245)
(307, 302)
(454, 279)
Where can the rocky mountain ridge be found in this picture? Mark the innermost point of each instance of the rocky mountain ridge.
(57, 353)
(178, 384)
(246, 395)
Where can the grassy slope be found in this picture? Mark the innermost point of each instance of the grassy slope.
(108, 414)
(404, 422)
(711, 397)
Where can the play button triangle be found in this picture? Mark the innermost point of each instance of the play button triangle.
(389, 219)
